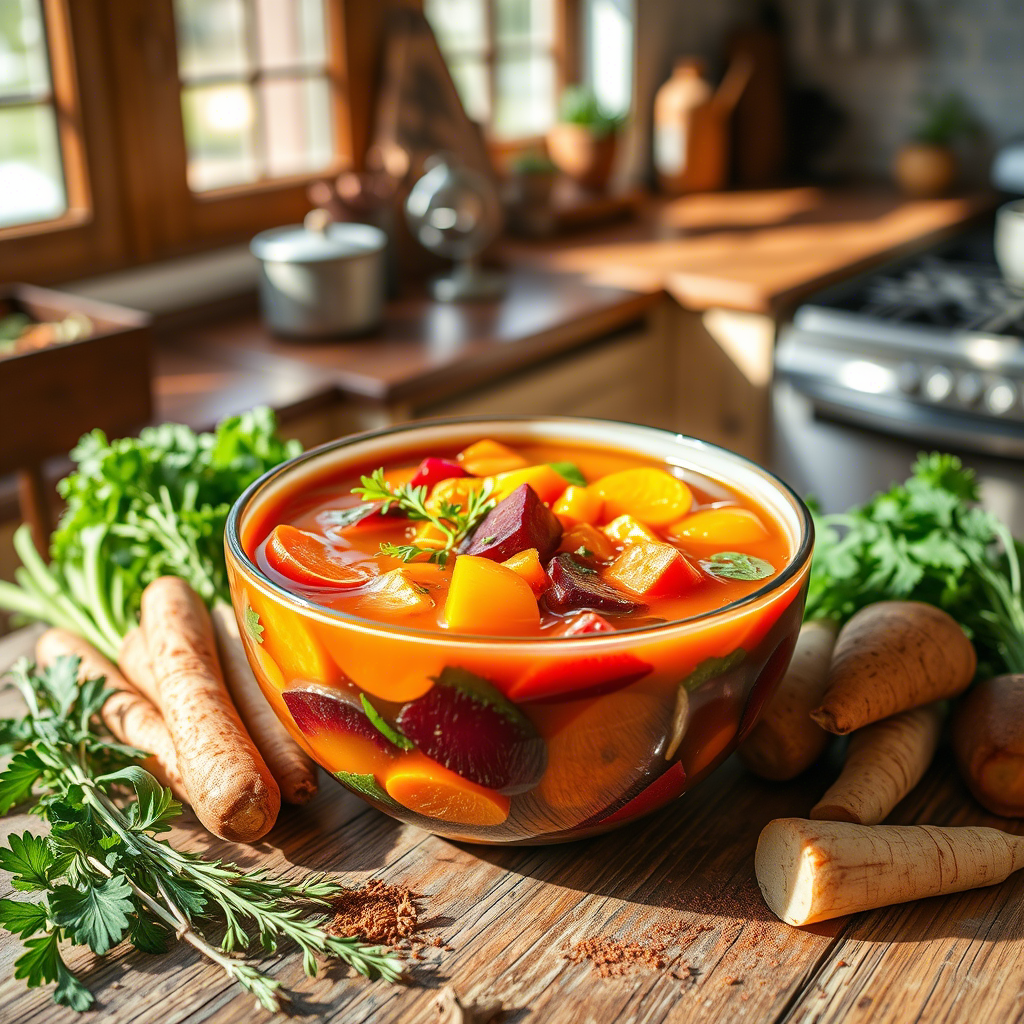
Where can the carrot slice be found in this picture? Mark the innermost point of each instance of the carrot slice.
(717, 529)
(628, 530)
(652, 570)
(489, 598)
(651, 495)
(591, 539)
(546, 482)
(423, 786)
(579, 678)
(578, 505)
(394, 595)
(527, 564)
(305, 558)
(487, 457)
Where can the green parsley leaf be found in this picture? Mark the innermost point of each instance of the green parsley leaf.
(149, 935)
(569, 472)
(734, 565)
(18, 778)
(712, 668)
(383, 727)
(22, 918)
(96, 916)
(29, 859)
(366, 785)
(253, 626)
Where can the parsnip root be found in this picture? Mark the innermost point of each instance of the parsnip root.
(127, 714)
(786, 741)
(288, 762)
(133, 658)
(815, 870)
(890, 657)
(884, 762)
(230, 787)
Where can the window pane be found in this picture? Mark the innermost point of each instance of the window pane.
(297, 121)
(219, 130)
(525, 89)
(608, 30)
(291, 33)
(211, 37)
(458, 24)
(520, 22)
(31, 181)
(23, 63)
(470, 78)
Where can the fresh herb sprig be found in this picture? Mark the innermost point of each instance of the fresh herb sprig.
(453, 521)
(101, 874)
(926, 540)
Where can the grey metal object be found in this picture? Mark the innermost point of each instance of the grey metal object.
(455, 212)
(321, 279)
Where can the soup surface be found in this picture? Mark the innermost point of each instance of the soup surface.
(530, 540)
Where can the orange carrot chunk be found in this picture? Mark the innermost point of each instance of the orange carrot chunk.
(578, 505)
(487, 457)
(651, 495)
(594, 543)
(629, 530)
(429, 789)
(717, 529)
(489, 598)
(394, 595)
(305, 558)
(546, 483)
(527, 564)
(652, 570)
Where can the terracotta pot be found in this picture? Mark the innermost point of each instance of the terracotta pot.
(924, 171)
(585, 157)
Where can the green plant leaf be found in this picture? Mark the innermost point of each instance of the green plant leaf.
(253, 626)
(155, 805)
(383, 727)
(23, 918)
(148, 934)
(569, 472)
(734, 565)
(97, 916)
(366, 785)
(18, 778)
(29, 859)
(712, 668)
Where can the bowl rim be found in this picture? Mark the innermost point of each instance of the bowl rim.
(233, 541)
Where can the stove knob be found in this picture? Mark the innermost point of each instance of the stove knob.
(969, 388)
(1001, 397)
(908, 378)
(938, 384)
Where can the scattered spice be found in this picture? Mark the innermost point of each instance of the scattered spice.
(613, 957)
(379, 913)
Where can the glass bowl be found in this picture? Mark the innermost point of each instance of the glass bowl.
(610, 757)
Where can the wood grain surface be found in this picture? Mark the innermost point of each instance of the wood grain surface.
(510, 915)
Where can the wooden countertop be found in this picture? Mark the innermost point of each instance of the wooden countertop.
(510, 915)
(755, 251)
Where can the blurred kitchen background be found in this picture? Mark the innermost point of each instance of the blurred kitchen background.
(772, 225)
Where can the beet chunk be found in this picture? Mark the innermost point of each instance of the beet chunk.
(519, 522)
(433, 470)
(333, 717)
(465, 724)
(575, 586)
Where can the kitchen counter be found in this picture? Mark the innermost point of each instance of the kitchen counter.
(510, 915)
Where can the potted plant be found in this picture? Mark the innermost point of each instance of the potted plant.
(926, 166)
(582, 144)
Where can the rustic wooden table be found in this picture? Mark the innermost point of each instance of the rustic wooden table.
(510, 916)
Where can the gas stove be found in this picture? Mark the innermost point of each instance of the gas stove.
(929, 347)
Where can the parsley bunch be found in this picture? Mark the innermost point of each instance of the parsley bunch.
(453, 522)
(926, 540)
(139, 508)
(101, 874)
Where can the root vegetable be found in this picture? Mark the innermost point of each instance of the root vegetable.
(787, 741)
(290, 765)
(815, 870)
(884, 762)
(988, 740)
(229, 785)
(134, 662)
(890, 657)
(127, 714)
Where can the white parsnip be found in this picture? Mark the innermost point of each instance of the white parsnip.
(815, 870)
(787, 741)
(133, 659)
(884, 762)
(288, 762)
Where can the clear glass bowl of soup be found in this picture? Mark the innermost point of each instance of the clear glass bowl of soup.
(601, 639)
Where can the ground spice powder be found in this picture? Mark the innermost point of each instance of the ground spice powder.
(379, 913)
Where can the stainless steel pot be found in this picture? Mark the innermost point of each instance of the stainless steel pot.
(322, 280)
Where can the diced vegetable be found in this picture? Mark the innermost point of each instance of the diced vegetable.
(305, 558)
(629, 530)
(575, 586)
(588, 622)
(578, 505)
(519, 522)
(652, 570)
(545, 482)
(580, 678)
(665, 788)
(432, 471)
(465, 724)
(428, 537)
(588, 543)
(714, 529)
(453, 491)
(393, 594)
(427, 788)
(527, 564)
(652, 495)
(488, 458)
(488, 598)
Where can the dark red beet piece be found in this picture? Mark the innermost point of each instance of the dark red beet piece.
(433, 470)
(465, 724)
(588, 622)
(578, 679)
(519, 522)
(574, 586)
(666, 787)
(321, 715)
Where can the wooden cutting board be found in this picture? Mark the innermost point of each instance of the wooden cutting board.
(510, 915)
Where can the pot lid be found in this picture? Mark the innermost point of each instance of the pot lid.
(295, 243)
